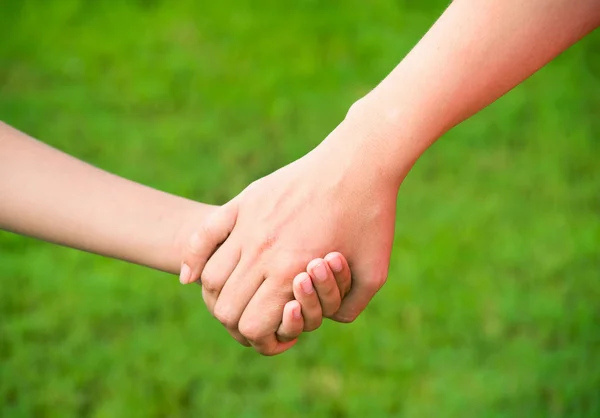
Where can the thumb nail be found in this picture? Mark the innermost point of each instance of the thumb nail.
(185, 274)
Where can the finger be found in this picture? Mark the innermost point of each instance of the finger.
(325, 285)
(233, 332)
(217, 271)
(359, 296)
(237, 292)
(343, 276)
(262, 317)
(305, 294)
(292, 323)
(204, 241)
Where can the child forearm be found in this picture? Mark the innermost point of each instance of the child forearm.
(49, 195)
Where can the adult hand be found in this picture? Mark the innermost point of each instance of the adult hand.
(341, 197)
(331, 199)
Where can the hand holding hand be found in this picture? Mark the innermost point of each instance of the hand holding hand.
(327, 201)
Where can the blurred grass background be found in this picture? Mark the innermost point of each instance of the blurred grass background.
(492, 307)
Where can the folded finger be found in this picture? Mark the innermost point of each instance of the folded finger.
(325, 285)
(232, 331)
(341, 271)
(305, 294)
(218, 270)
(262, 317)
(237, 292)
(292, 323)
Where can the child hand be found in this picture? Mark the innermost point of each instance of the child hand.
(318, 292)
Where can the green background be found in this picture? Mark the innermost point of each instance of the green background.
(492, 307)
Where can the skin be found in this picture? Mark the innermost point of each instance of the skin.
(52, 196)
(342, 195)
(314, 297)
(72, 203)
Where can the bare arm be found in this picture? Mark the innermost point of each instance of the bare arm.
(50, 195)
(476, 52)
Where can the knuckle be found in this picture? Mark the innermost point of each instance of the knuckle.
(209, 283)
(208, 274)
(225, 316)
(251, 330)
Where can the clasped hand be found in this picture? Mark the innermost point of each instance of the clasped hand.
(279, 226)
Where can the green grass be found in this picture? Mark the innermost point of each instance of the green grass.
(492, 308)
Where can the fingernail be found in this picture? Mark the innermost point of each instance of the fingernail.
(336, 264)
(184, 275)
(320, 272)
(307, 286)
(296, 313)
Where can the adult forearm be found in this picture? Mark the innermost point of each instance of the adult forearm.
(475, 53)
(49, 195)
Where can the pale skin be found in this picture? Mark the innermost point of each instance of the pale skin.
(342, 195)
(52, 196)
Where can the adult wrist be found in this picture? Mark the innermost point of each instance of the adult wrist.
(377, 140)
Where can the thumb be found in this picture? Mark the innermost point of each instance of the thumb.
(205, 241)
